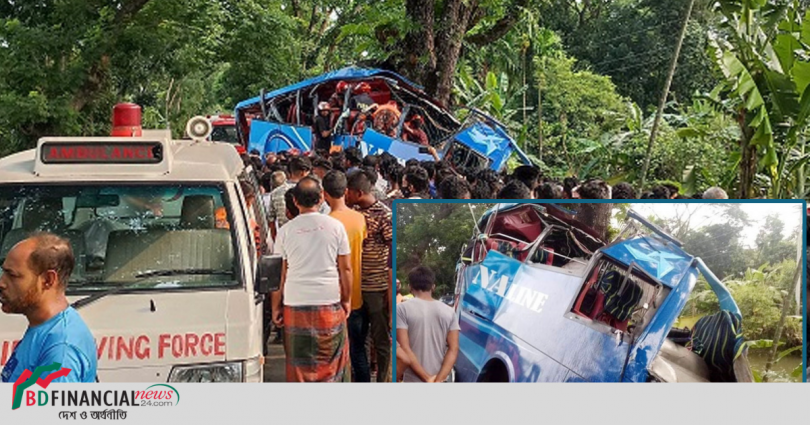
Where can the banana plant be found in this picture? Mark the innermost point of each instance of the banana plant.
(764, 56)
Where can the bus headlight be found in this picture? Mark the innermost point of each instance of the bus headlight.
(210, 372)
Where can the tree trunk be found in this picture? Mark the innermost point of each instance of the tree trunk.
(540, 120)
(786, 301)
(748, 159)
(524, 96)
(564, 129)
(664, 96)
(595, 216)
(748, 170)
(429, 54)
(98, 72)
(296, 8)
(451, 31)
(420, 41)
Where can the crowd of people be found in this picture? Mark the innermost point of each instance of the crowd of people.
(334, 235)
(437, 179)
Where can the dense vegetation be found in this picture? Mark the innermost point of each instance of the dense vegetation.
(577, 81)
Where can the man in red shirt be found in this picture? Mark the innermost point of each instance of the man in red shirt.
(413, 131)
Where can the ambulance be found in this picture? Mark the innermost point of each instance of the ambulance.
(169, 275)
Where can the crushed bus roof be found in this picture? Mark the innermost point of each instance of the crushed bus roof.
(660, 259)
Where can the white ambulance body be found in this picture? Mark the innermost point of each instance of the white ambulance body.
(167, 269)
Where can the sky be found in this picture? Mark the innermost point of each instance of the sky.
(706, 214)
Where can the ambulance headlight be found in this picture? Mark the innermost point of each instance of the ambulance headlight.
(199, 128)
(211, 372)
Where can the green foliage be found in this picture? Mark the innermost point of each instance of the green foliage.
(66, 65)
(578, 107)
(715, 136)
(771, 246)
(261, 50)
(433, 235)
(763, 56)
(634, 43)
(758, 278)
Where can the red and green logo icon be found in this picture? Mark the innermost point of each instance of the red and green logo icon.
(42, 376)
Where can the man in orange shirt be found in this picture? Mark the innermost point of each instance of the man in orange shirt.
(334, 192)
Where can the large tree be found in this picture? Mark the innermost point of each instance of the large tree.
(431, 49)
(63, 66)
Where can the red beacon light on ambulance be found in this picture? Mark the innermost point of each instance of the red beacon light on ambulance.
(126, 120)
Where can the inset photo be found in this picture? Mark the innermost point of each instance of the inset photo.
(599, 292)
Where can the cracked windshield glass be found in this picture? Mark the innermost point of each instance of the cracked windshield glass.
(128, 236)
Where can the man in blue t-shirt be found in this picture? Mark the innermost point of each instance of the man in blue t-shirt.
(35, 275)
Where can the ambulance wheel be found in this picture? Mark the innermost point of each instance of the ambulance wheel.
(494, 371)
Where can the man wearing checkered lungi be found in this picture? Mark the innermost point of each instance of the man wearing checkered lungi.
(315, 292)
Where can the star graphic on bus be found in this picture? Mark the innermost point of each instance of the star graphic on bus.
(661, 261)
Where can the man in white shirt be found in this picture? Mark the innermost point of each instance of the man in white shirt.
(316, 282)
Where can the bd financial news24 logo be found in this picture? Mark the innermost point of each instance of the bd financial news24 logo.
(28, 379)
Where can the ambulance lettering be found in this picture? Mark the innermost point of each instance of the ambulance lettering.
(142, 347)
(521, 295)
(126, 153)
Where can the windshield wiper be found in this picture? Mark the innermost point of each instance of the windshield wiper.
(146, 275)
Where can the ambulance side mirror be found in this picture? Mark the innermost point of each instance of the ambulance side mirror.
(269, 279)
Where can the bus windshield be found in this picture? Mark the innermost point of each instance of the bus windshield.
(138, 236)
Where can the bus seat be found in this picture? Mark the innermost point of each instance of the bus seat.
(291, 114)
(507, 248)
(586, 300)
(197, 212)
(718, 339)
(77, 243)
(542, 255)
(521, 224)
(619, 302)
(130, 252)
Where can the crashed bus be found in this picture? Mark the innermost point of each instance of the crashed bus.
(540, 298)
(282, 120)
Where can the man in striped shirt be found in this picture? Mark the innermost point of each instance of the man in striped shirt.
(375, 280)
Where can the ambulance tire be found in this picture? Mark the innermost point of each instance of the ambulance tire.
(494, 371)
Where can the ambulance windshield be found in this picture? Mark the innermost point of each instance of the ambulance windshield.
(128, 234)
